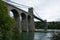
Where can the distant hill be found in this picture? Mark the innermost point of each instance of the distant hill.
(51, 25)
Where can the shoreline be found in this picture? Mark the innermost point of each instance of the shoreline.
(48, 30)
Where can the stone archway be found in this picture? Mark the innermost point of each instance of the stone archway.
(16, 17)
(23, 22)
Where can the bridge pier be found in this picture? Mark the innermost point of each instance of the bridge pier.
(46, 25)
(24, 24)
(32, 27)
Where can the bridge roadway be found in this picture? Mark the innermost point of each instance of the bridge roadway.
(39, 18)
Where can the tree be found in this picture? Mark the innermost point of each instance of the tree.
(6, 23)
(56, 37)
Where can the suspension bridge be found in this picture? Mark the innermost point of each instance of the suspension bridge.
(24, 20)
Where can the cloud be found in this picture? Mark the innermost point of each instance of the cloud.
(46, 9)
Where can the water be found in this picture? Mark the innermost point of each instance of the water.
(36, 36)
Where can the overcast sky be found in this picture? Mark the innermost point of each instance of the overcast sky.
(46, 9)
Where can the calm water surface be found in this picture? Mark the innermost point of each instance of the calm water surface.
(35, 36)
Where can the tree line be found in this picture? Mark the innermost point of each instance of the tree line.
(51, 25)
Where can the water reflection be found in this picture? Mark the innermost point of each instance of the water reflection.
(42, 36)
(27, 36)
(35, 36)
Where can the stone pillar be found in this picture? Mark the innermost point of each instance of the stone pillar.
(20, 28)
(23, 24)
(17, 18)
(26, 24)
(46, 25)
(30, 10)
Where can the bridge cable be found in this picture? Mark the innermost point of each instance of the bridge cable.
(36, 13)
(38, 16)
(19, 4)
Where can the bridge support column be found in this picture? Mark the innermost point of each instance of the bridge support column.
(20, 28)
(46, 26)
(26, 25)
(31, 23)
(24, 22)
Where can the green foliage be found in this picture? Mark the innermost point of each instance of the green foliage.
(56, 37)
(51, 25)
(54, 25)
(39, 25)
(6, 23)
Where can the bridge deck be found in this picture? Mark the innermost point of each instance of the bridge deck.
(38, 18)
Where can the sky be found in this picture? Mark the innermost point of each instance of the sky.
(47, 9)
